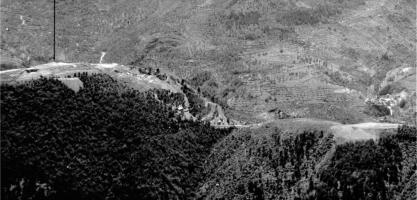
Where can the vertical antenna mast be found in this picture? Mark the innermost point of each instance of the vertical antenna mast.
(54, 31)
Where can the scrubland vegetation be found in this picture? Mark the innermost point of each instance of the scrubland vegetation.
(251, 20)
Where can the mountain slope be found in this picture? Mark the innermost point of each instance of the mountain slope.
(298, 56)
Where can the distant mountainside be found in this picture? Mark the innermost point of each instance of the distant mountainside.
(319, 59)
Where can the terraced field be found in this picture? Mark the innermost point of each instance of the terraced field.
(299, 54)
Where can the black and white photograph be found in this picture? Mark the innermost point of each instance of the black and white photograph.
(208, 99)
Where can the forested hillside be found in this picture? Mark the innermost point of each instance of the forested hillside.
(105, 142)
(272, 163)
(110, 141)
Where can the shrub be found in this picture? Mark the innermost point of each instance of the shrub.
(377, 110)
(200, 78)
(385, 90)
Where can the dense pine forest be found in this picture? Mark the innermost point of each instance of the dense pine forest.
(371, 170)
(362, 170)
(106, 141)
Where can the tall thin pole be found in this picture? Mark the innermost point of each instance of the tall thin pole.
(54, 30)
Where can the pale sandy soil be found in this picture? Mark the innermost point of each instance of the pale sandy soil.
(357, 132)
